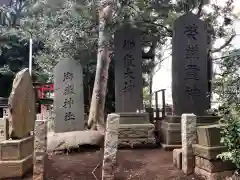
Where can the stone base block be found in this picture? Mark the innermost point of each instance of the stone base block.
(209, 135)
(136, 131)
(177, 158)
(170, 133)
(15, 168)
(225, 175)
(136, 142)
(209, 153)
(200, 119)
(213, 166)
(133, 118)
(16, 149)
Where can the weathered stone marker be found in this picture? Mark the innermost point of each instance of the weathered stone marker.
(22, 105)
(68, 96)
(128, 70)
(16, 157)
(190, 66)
(110, 147)
(189, 137)
(40, 150)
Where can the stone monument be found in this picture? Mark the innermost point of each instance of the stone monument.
(22, 106)
(189, 77)
(190, 66)
(135, 128)
(68, 96)
(128, 70)
(16, 153)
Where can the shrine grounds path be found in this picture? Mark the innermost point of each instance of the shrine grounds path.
(143, 164)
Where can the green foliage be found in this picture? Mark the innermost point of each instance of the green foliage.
(231, 135)
(227, 87)
(69, 28)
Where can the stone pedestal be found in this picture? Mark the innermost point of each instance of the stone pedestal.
(207, 164)
(135, 130)
(170, 130)
(16, 157)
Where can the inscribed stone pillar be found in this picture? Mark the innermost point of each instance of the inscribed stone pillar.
(68, 96)
(110, 147)
(189, 137)
(128, 70)
(40, 150)
(190, 66)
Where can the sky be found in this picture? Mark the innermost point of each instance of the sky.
(162, 78)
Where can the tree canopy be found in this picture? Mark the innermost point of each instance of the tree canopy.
(69, 28)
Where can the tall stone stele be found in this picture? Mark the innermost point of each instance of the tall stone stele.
(22, 106)
(68, 96)
(128, 70)
(190, 66)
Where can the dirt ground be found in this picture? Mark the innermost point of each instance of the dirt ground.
(144, 164)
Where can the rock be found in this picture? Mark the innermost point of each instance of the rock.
(73, 139)
(22, 106)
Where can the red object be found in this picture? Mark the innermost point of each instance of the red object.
(45, 88)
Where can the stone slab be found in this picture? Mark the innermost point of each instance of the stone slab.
(209, 153)
(177, 158)
(15, 169)
(209, 135)
(16, 149)
(128, 69)
(200, 119)
(213, 166)
(225, 175)
(137, 142)
(190, 66)
(133, 118)
(136, 130)
(68, 96)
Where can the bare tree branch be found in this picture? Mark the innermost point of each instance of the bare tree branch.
(224, 45)
(200, 7)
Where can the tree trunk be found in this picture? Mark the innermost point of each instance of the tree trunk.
(96, 113)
